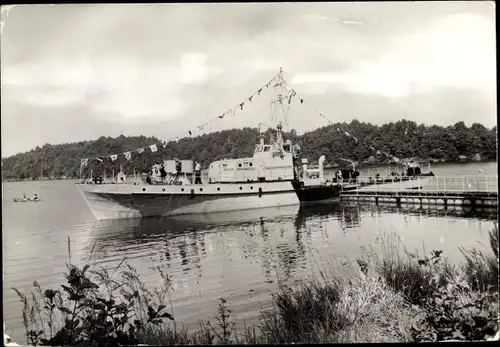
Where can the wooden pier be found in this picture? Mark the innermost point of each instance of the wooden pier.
(474, 191)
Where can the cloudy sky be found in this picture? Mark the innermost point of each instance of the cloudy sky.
(78, 72)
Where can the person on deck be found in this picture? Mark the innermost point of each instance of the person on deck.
(148, 179)
(197, 171)
(178, 168)
(163, 173)
(339, 176)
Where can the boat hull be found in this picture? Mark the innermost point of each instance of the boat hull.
(123, 201)
(120, 201)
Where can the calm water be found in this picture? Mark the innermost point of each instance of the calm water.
(239, 256)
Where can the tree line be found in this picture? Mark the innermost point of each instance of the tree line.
(403, 139)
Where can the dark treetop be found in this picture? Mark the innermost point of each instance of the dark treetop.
(403, 139)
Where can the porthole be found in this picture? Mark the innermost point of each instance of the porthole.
(251, 187)
(182, 189)
(143, 189)
(241, 188)
(218, 189)
(250, 164)
(239, 165)
(163, 189)
(201, 189)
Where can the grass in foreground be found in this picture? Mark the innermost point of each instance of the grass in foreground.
(395, 298)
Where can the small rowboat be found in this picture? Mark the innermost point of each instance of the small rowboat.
(26, 200)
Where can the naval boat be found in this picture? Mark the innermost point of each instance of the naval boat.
(274, 176)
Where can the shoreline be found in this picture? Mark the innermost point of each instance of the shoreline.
(327, 167)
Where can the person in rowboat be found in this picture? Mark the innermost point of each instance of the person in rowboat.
(35, 197)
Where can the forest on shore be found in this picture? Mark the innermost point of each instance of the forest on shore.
(403, 139)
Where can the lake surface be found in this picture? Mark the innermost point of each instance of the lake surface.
(239, 256)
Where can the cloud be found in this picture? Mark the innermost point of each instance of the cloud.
(145, 63)
(126, 87)
(455, 51)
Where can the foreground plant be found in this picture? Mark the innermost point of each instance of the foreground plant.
(455, 312)
(92, 309)
(454, 302)
(481, 269)
(467, 306)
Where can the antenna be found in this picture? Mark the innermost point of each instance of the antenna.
(280, 99)
(280, 96)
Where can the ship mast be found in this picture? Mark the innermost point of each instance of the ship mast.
(281, 97)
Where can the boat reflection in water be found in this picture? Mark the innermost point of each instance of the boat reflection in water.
(348, 215)
(142, 237)
(174, 225)
(191, 238)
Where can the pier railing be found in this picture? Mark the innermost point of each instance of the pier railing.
(466, 183)
(482, 183)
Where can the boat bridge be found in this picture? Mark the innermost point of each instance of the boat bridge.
(474, 191)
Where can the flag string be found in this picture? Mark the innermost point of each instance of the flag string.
(339, 128)
(154, 147)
